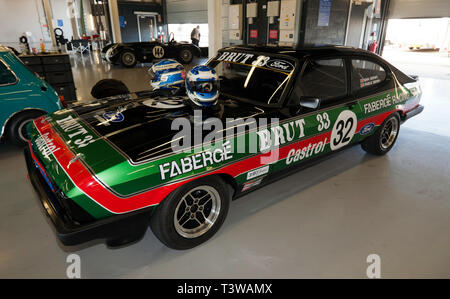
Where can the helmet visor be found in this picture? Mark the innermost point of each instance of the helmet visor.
(204, 87)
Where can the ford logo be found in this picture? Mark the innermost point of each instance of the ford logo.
(115, 117)
(367, 129)
(280, 65)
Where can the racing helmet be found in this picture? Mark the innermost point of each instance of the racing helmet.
(167, 74)
(202, 86)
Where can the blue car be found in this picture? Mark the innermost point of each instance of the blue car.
(23, 97)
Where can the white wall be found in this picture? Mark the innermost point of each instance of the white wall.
(60, 11)
(419, 9)
(19, 16)
(187, 11)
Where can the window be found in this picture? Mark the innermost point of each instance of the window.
(324, 79)
(6, 76)
(259, 79)
(366, 74)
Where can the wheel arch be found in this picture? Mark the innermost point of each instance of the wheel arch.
(224, 177)
(107, 47)
(127, 49)
(230, 181)
(15, 115)
(401, 114)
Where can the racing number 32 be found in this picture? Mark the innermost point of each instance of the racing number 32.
(343, 130)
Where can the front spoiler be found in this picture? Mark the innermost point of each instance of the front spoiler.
(116, 230)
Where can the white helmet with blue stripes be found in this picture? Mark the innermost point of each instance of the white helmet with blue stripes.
(167, 74)
(202, 86)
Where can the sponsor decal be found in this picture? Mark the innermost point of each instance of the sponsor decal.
(166, 103)
(366, 82)
(235, 57)
(281, 134)
(312, 149)
(208, 158)
(46, 146)
(76, 133)
(258, 172)
(367, 129)
(385, 102)
(261, 61)
(251, 184)
(114, 117)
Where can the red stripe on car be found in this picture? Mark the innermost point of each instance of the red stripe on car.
(87, 183)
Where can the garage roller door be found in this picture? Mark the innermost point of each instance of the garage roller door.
(187, 11)
(401, 9)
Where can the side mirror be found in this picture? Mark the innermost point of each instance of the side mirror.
(306, 102)
(310, 102)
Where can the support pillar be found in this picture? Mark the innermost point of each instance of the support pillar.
(115, 23)
(215, 26)
(49, 19)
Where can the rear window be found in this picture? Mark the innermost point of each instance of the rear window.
(6, 76)
(366, 74)
(258, 78)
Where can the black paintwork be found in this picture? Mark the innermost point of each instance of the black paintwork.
(146, 126)
(144, 50)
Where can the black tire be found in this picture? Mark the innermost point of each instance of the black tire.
(163, 221)
(17, 126)
(380, 143)
(108, 88)
(128, 59)
(186, 55)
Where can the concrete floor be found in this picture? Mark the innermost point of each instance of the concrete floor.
(322, 222)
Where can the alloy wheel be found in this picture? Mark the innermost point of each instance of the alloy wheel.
(389, 133)
(197, 211)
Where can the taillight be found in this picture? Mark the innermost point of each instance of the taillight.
(62, 101)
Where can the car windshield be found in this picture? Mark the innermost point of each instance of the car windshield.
(257, 78)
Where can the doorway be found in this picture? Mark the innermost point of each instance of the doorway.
(363, 25)
(146, 26)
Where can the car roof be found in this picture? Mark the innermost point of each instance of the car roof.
(4, 49)
(302, 52)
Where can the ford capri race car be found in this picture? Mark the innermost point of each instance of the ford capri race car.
(130, 54)
(108, 169)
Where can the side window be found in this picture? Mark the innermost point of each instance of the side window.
(366, 74)
(6, 76)
(324, 79)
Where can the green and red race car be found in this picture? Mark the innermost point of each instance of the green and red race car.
(109, 169)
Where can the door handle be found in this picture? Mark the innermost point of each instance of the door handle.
(352, 104)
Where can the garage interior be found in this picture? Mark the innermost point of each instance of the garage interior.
(321, 222)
